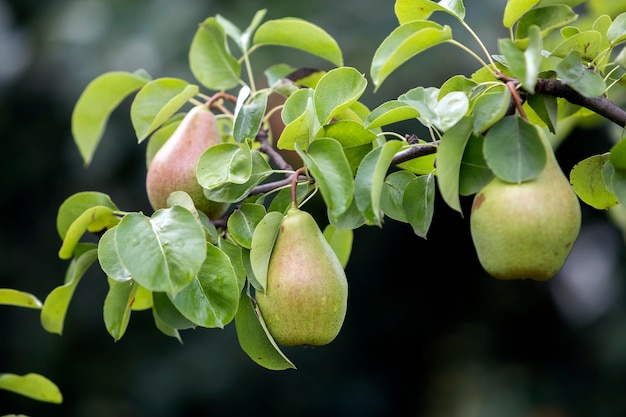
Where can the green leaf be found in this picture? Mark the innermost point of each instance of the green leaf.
(109, 259)
(402, 44)
(585, 81)
(393, 193)
(524, 65)
(212, 297)
(348, 133)
(617, 155)
(235, 253)
(209, 58)
(255, 340)
(74, 206)
(336, 91)
(418, 203)
(588, 182)
(95, 105)
(390, 112)
(224, 163)
(243, 221)
(156, 102)
(301, 130)
(310, 38)
(57, 301)
(118, 306)
(548, 18)
(164, 252)
(617, 30)
(262, 244)
(370, 178)
(409, 10)
(169, 316)
(94, 218)
(165, 328)
(489, 108)
(450, 109)
(248, 118)
(17, 298)
(161, 135)
(449, 157)
(514, 150)
(340, 240)
(331, 170)
(587, 44)
(31, 385)
(515, 9)
(546, 107)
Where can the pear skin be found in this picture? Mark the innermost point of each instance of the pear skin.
(526, 230)
(173, 167)
(306, 294)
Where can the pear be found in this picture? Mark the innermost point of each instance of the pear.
(526, 230)
(173, 167)
(306, 294)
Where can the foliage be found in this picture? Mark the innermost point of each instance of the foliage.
(191, 272)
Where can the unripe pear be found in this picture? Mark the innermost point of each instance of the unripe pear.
(526, 230)
(173, 167)
(306, 294)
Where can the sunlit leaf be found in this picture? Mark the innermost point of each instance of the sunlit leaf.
(337, 90)
(57, 301)
(209, 58)
(340, 240)
(248, 118)
(31, 385)
(587, 44)
(409, 10)
(95, 218)
(617, 30)
(548, 18)
(118, 307)
(224, 163)
(403, 43)
(588, 182)
(310, 38)
(9, 296)
(95, 105)
(75, 205)
(156, 102)
(390, 112)
(515, 9)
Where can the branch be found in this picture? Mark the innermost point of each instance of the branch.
(600, 105)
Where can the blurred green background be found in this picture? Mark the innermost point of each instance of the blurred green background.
(427, 334)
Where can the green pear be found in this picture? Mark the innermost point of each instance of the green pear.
(306, 294)
(173, 167)
(526, 230)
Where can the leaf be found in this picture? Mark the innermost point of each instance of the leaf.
(164, 252)
(586, 82)
(390, 112)
(515, 9)
(17, 298)
(94, 218)
(209, 58)
(31, 385)
(310, 38)
(409, 10)
(248, 118)
(118, 306)
(450, 109)
(331, 170)
(156, 102)
(109, 259)
(348, 133)
(588, 182)
(419, 203)
(255, 340)
(340, 240)
(262, 244)
(57, 301)
(169, 316)
(212, 297)
(548, 18)
(617, 31)
(301, 130)
(587, 44)
(243, 221)
(336, 91)
(96, 103)
(224, 163)
(370, 179)
(403, 43)
(75, 205)
(393, 192)
(514, 150)
(546, 107)
(524, 65)
(617, 156)
(489, 108)
(449, 157)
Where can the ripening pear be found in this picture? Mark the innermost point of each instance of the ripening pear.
(173, 167)
(526, 230)
(306, 294)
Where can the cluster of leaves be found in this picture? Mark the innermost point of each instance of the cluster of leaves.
(191, 271)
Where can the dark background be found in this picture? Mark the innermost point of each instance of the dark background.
(427, 334)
